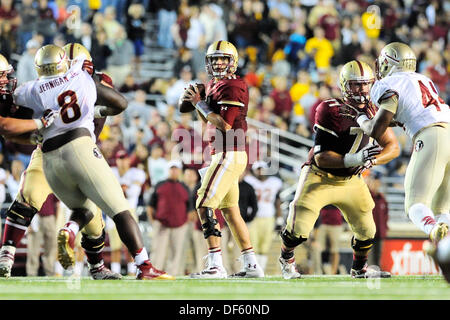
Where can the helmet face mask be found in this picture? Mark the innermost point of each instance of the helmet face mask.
(51, 61)
(8, 81)
(356, 79)
(226, 51)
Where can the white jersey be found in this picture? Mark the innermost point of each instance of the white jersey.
(266, 193)
(131, 182)
(73, 93)
(419, 104)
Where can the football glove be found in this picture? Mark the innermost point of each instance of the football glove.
(47, 119)
(362, 156)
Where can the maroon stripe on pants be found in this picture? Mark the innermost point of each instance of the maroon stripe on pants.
(211, 180)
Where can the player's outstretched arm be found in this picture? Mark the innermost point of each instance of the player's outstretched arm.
(15, 127)
(109, 101)
(391, 149)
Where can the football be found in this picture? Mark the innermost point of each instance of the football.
(186, 106)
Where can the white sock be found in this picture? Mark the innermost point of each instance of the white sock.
(59, 268)
(422, 217)
(131, 268)
(215, 257)
(72, 225)
(141, 257)
(443, 217)
(78, 269)
(115, 267)
(249, 257)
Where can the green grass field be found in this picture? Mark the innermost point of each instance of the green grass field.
(270, 288)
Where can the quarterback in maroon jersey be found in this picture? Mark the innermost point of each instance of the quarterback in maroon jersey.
(225, 107)
(331, 176)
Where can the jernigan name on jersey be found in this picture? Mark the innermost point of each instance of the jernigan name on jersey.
(74, 93)
(419, 104)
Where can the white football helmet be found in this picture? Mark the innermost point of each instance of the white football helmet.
(395, 57)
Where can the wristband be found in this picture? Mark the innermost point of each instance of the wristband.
(98, 111)
(360, 120)
(352, 160)
(203, 108)
(39, 123)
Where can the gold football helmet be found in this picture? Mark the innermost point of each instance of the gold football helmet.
(353, 75)
(75, 50)
(221, 48)
(50, 61)
(7, 81)
(395, 57)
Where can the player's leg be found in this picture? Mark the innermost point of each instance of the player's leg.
(441, 200)
(310, 196)
(229, 204)
(424, 176)
(357, 211)
(93, 242)
(33, 191)
(209, 197)
(97, 181)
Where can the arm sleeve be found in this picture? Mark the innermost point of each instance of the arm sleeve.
(325, 141)
(390, 103)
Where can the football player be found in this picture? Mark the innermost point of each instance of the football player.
(34, 192)
(14, 127)
(412, 101)
(225, 107)
(331, 176)
(73, 165)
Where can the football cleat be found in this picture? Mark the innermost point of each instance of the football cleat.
(288, 269)
(367, 272)
(101, 272)
(438, 232)
(212, 272)
(66, 245)
(6, 260)
(249, 271)
(147, 271)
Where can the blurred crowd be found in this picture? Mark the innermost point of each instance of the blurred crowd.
(290, 54)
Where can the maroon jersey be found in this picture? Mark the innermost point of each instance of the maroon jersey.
(229, 98)
(99, 123)
(337, 133)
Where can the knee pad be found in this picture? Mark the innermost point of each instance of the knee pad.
(362, 245)
(20, 213)
(91, 245)
(209, 227)
(290, 241)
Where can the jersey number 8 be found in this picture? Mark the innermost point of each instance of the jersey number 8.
(70, 110)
